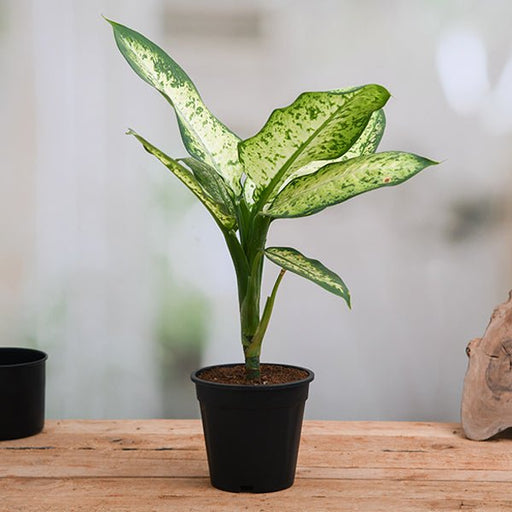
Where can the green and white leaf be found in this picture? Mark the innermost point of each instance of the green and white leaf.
(204, 136)
(316, 126)
(212, 183)
(219, 211)
(367, 144)
(370, 138)
(292, 260)
(337, 182)
(249, 190)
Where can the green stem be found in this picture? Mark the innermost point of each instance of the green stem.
(247, 253)
(240, 262)
(250, 303)
(253, 351)
(253, 244)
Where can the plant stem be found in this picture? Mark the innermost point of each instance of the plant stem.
(249, 277)
(247, 253)
(253, 351)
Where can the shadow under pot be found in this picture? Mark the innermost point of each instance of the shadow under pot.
(22, 392)
(252, 432)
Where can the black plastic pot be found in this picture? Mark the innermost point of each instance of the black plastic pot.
(252, 433)
(22, 390)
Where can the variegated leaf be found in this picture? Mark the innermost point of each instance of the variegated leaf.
(204, 136)
(340, 181)
(317, 126)
(365, 145)
(370, 138)
(219, 211)
(211, 182)
(292, 260)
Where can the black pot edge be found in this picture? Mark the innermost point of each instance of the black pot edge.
(42, 356)
(258, 388)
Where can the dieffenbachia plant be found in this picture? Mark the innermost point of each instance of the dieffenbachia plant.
(317, 152)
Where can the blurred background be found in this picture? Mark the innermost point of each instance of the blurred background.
(111, 266)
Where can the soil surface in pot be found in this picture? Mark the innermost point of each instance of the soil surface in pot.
(270, 374)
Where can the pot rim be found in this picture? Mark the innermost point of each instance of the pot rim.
(27, 357)
(251, 388)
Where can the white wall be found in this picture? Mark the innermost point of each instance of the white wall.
(426, 262)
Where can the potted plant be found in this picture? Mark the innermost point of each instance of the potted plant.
(317, 152)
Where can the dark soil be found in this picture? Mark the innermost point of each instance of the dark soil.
(270, 374)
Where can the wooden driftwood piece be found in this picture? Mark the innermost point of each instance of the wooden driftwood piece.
(487, 395)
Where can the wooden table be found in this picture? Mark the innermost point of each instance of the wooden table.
(160, 465)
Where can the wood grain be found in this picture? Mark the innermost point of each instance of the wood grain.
(160, 465)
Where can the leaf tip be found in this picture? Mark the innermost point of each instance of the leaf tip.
(112, 22)
(380, 90)
(348, 300)
(384, 90)
(428, 162)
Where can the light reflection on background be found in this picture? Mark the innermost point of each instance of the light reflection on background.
(463, 70)
(462, 63)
